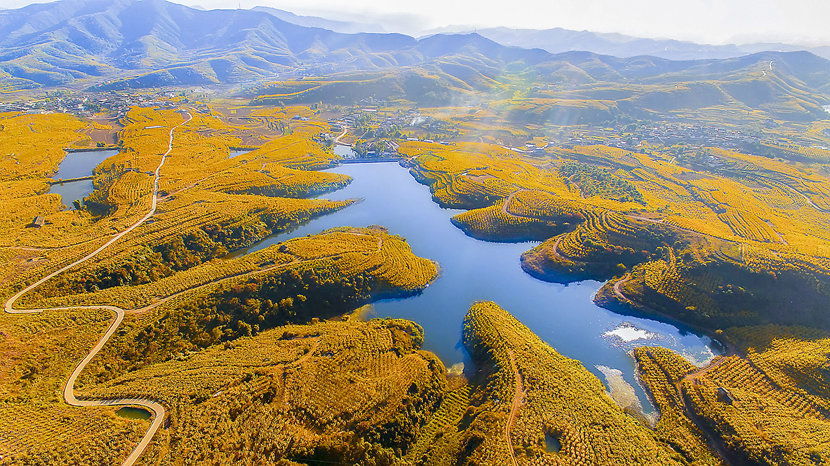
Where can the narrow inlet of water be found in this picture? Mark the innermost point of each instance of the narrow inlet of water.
(238, 152)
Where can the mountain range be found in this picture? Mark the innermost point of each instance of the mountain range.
(559, 40)
(144, 43)
(119, 44)
(345, 27)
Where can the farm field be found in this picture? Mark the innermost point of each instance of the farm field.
(384, 234)
(345, 392)
(688, 242)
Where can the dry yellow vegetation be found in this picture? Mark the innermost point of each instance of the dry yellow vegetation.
(202, 193)
(710, 238)
(698, 240)
(533, 392)
(768, 405)
(193, 225)
(497, 223)
(32, 146)
(474, 175)
(317, 276)
(38, 352)
(662, 371)
(342, 392)
(749, 199)
(47, 433)
(772, 405)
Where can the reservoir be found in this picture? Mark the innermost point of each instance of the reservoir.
(471, 270)
(76, 165)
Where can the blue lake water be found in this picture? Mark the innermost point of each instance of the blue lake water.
(471, 270)
(76, 165)
(236, 153)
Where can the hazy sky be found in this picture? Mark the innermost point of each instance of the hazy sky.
(708, 21)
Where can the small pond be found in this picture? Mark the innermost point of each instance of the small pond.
(238, 152)
(76, 165)
(133, 413)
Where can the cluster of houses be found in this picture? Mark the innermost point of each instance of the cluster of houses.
(667, 134)
(385, 127)
(116, 104)
(382, 122)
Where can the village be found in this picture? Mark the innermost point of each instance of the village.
(376, 133)
(115, 104)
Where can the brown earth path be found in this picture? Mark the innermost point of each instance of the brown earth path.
(518, 400)
(271, 268)
(69, 388)
(345, 130)
(156, 408)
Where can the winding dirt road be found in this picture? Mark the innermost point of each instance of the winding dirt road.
(69, 387)
(345, 130)
(518, 399)
(156, 408)
(618, 291)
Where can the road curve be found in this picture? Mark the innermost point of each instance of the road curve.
(345, 130)
(69, 386)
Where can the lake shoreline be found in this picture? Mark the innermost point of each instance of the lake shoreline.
(73, 180)
(471, 270)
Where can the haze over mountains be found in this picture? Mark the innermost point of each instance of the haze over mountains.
(345, 27)
(149, 43)
(559, 40)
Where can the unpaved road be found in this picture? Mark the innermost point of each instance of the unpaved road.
(518, 399)
(345, 130)
(729, 350)
(156, 408)
(69, 388)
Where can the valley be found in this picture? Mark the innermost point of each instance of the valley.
(278, 244)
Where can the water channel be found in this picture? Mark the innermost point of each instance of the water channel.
(562, 315)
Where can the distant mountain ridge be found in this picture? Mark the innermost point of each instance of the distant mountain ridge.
(163, 43)
(559, 40)
(120, 44)
(343, 27)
